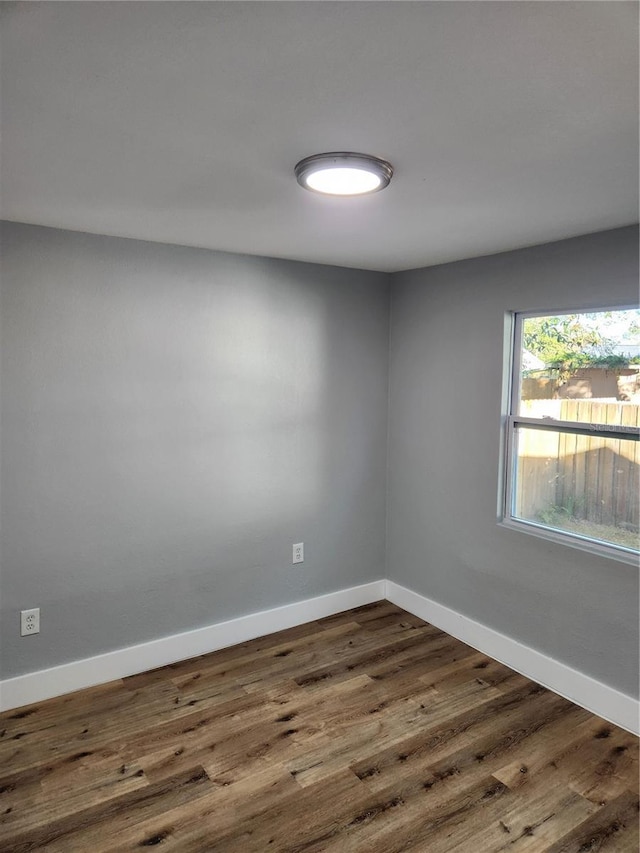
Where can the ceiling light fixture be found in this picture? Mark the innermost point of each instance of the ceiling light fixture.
(343, 173)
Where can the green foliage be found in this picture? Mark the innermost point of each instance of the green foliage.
(558, 340)
(555, 514)
(571, 341)
(610, 362)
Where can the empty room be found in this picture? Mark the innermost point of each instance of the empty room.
(319, 422)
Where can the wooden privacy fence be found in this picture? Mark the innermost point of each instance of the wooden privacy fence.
(594, 478)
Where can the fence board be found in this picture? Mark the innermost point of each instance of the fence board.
(630, 416)
(594, 478)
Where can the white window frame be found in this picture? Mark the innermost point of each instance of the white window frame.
(511, 422)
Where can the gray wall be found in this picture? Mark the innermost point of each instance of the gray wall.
(172, 421)
(444, 450)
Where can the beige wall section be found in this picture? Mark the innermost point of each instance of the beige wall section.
(585, 384)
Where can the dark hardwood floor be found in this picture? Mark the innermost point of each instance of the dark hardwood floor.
(366, 731)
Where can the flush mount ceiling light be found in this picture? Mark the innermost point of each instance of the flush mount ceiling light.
(343, 173)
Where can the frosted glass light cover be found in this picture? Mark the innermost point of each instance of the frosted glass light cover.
(343, 181)
(343, 173)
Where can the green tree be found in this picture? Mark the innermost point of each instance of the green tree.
(559, 340)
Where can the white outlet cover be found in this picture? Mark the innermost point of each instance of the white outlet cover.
(29, 622)
(298, 552)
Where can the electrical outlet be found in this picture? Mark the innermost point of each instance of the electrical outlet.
(29, 622)
(298, 553)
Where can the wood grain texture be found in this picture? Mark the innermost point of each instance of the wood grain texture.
(366, 731)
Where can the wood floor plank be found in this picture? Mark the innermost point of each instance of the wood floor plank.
(493, 729)
(397, 823)
(89, 827)
(366, 732)
(614, 827)
(64, 787)
(530, 823)
(595, 760)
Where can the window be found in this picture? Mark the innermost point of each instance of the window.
(573, 460)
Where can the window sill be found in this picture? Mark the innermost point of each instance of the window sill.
(573, 540)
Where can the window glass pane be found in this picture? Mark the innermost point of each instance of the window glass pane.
(586, 485)
(578, 367)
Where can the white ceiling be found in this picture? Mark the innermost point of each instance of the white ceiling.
(508, 123)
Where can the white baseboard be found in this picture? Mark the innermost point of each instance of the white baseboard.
(46, 683)
(604, 701)
(618, 708)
